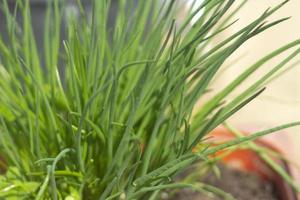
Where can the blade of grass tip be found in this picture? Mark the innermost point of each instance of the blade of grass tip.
(265, 156)
(221, 27)
(169, 9)
(201, 19)
(278, 7)
(247, 35)
(219, 15)
(204, 29)
(223, 53)
(52, 172)
(262, 80)
(64, 96)
(248, 138)
(260, 19)
(159, 11)
(232, 14)
(208, 38)
(241, 78)
(191, 16)
(265, 26)
(218, 32)
(225, 115)
(165, 43)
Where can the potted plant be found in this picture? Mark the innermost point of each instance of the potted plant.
(117, 119)
(249, 171)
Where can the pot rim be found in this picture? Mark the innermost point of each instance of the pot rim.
(286, 192)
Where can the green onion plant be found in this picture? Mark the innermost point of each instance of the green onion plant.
(109, 111)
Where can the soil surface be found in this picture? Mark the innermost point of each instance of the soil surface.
(241, 185)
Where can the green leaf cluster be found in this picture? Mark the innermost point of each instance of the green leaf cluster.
(109, 112)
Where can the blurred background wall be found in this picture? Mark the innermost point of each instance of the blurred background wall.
(280, 103)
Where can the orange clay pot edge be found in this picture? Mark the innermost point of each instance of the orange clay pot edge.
(249, 161)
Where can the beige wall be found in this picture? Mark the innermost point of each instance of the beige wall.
(280, 103)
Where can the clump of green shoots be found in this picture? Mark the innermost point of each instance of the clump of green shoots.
(109, 113)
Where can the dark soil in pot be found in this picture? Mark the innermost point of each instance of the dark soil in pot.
(241, 185)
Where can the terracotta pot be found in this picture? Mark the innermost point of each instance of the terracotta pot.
(249, 161)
